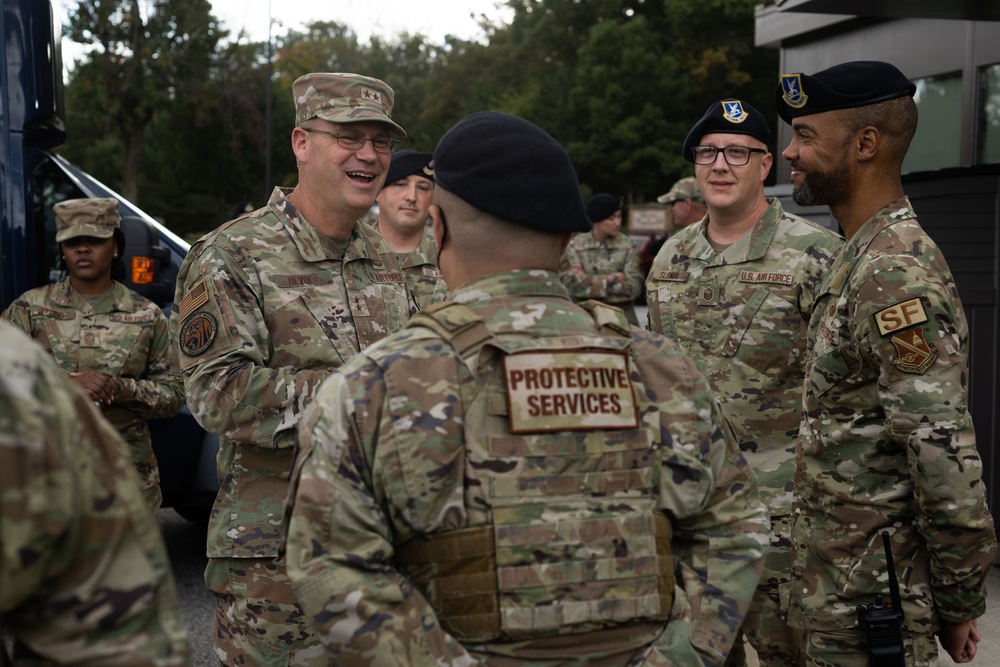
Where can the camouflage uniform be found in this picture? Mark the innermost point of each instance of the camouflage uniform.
(414, 437)
(84, 575)
(599, 259)
(742, 315)
(267, 309)
(123, 335)
(887, 444)
(423, 278)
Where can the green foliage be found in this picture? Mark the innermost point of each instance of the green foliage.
(618, 82)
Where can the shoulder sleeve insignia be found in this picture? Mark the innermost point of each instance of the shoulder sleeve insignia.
(900, 316)
(197, 333)
(913, 353)
(194, 299)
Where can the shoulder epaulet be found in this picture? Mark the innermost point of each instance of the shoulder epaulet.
(608, 317)
(455, 323)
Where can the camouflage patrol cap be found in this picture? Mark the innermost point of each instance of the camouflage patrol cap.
(341, 97)
(86, 217)
(843, 86)
(686, 188)
(727, 117)
(512, 169)
(408, 162)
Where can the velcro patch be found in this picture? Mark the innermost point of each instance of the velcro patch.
(197, 334)
(913, 353)
(386, 277)
(672, 276)
(194, 299)
(900, 316)
(765, 277)
(578, 390)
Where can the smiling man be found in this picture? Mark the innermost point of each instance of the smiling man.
(403, 212)
(268, 306)
(887, 444)
(736, 290)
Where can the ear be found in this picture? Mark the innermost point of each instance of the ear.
(765, 165)
(437, 226)
(867, 141)
(300, 143)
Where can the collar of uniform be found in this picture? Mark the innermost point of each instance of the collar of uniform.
(64, 295)
(523, 282)
(365, 242)
(888, 215)
(693, 242)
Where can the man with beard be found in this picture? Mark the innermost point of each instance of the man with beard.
(887, 443)
(736, 289)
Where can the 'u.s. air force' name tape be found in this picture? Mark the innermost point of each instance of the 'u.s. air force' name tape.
(569, 391)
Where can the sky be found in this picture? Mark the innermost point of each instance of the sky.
(386, 18)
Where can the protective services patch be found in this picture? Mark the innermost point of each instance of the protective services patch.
(578, 390)
(197, 334)
(913, 353)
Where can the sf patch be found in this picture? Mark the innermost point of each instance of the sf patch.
(914, 354)
(197, 333)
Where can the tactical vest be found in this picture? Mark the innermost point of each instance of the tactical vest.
(572, 540)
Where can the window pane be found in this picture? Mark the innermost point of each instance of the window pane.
(988, 149)
(937, 143)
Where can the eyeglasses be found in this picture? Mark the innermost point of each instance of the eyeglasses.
(736, 156)
(355, 141)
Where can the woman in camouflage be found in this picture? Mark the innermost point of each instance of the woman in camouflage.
(111, 341)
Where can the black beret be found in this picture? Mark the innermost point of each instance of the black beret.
(407, 162)
(844, 86)
(507, 167)
(602, 206)
(727, 117)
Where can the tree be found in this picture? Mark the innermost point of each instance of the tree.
(142, 59)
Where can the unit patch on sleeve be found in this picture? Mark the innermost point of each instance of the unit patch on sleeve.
(198, 333)
(580, 390)
(913, 353)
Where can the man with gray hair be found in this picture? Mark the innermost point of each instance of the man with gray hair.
(268, 306)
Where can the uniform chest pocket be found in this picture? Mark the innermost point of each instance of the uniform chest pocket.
(768, 334)
(305, 330)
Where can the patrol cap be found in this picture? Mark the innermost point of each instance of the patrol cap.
(341, 97)
(727, 117)
(686, 188)
(602, 206)
(86, 217)
(512, 169)
(407, 162)
(843, 86)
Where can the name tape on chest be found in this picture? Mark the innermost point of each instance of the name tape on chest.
(569, 391)
(900, 316)
(766, 277)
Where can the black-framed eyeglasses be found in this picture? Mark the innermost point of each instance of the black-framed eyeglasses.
(736, 156)
(355, 141)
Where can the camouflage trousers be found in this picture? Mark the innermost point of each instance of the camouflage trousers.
(258, 622)
(766, 623)
(846, 648)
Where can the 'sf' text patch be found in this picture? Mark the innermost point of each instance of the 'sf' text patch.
(569, 391)
(900, 316)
